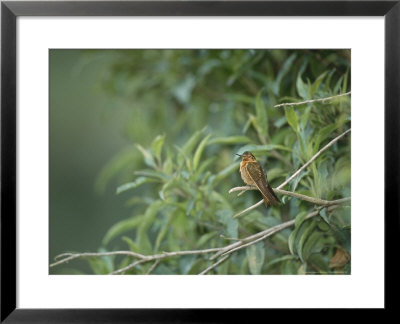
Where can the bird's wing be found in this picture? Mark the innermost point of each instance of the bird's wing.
(256, 173)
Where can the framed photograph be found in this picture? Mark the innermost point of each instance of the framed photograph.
(161, 159)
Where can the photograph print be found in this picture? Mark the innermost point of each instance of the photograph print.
(200, 161)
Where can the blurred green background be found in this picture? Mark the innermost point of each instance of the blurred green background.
(142, 146)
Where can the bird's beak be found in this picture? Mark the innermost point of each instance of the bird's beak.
(238, 154)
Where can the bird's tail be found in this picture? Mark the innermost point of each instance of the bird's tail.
(270, 198)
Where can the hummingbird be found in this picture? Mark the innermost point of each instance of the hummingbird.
(253, 175)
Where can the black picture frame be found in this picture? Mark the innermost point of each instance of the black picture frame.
(10, 10)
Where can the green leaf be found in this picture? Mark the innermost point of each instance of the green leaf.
(305, 117)
(190, 206)
(132, 245)
(144, 243)
(304, 236)
(302, 88)
(323, 215)
(183, 157)
(300, 218)
(255, 255)
(282, 72)
(317, 82)
(199, 151)
(205, 238)
(121, 227)
(186, 262)
(313, 244)
(161, 235)
(229, 140)
(261, 114)
(130, 185)
(208, 66)
(223, 215)
(302, 269)
(205, 164)
(243, 98)
(289, 267)
(192, 141)
(148, 158)
(115, 165)
(292, 119)
(162, 269)
(157, 145)
(297, 225)
(153, 174)
(168, 166)
(142, 239)
(223, 268)
(136, 200)
(226, 172)
(231, 225)
(297, 179)
(217, 197)
(198, 266)
(103, 265)
(319, 262)
(280, 122)
(263, 148)
(323, 134)
(249, 121)
(280, 259)
(173, 183)
(183, 90)
(338, 85)
(345, 81)
(150, 215)
(274, 173)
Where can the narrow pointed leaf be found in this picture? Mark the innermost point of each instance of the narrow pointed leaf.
(255, 255)
(199, 151)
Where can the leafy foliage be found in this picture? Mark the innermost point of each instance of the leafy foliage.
(191, 111)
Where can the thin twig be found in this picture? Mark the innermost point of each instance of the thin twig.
(286, 104)
(70, 256)
(144, 258)
(155, 264)
(313, 200)
(245, 211)
(214, 265)
(276, 229)
(128, 267)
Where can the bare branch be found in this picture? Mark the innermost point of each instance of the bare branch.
(322, 100)
(248, 209)
(128, 267)
(71, 256)
(214, 265)
(313, 200)
(155, 264)
(141, 257)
